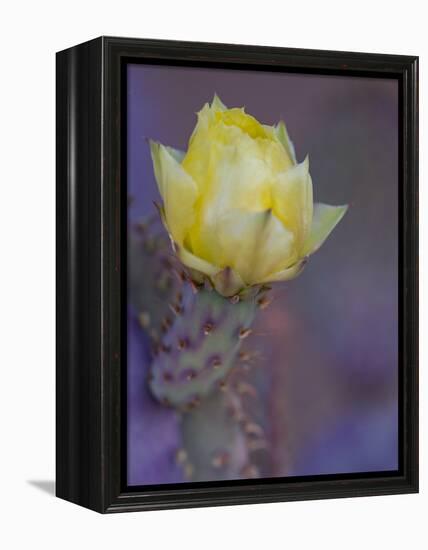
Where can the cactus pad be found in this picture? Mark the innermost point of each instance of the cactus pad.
(214, 444)
(201, 345)
(151, 281)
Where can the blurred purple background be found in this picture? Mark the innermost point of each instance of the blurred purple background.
(329, 340)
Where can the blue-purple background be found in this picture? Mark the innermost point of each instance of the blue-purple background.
(329, 340)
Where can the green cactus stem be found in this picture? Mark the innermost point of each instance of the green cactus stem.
(214, 444)
(198, 358)
(201, 346)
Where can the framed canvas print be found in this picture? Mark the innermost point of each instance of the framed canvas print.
(236, 274)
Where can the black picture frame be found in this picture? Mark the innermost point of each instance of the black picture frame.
(90, 273)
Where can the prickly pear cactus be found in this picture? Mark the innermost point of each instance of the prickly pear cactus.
(198, 359)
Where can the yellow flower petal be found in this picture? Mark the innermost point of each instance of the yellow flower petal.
(234, 177)
(176, 153)
(253, 244)
(240, 119)
(325, 219)
(178, 191)
(197, 158)
(276, 249)
(282, 135)
(194, 262)
(237, 205)
(285, 274)
(293, 200)
(217, 104)
(206, 117)
(219, 128)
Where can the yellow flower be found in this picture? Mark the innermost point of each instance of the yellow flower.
(237, 205)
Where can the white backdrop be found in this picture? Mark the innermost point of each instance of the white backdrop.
(30, 33)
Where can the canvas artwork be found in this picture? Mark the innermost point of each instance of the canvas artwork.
(262, 275)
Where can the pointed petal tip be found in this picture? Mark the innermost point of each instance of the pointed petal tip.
(325, 219)
(155, 147)
(341, 210)
(305, 163)
(205, 107)
(286, 274)
(217, 103)
(281, 125)
(152, 144)
(284, 138)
